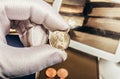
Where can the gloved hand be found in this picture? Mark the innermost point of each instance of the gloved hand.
(15, 62)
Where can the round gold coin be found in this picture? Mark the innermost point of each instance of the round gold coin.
(62, 73)
(59, 39)
(51, 72)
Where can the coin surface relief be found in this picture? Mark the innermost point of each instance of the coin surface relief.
(59, 39)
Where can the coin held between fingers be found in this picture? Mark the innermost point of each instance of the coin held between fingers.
(59, 39)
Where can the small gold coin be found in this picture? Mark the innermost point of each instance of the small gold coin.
(51, 72)
(60, 40)
(62, 73)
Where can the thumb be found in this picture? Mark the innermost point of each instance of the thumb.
(17, 62)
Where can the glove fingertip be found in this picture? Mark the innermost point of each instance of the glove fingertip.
(63, 54)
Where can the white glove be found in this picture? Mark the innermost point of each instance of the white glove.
(109, 70)
(15, 62)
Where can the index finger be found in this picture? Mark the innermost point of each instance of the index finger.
(52, 20)
(37, 11)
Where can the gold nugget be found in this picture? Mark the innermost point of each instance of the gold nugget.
(60, 40)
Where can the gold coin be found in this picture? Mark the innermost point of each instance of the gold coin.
(60, 40)
(51, 72)
(62, 73)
